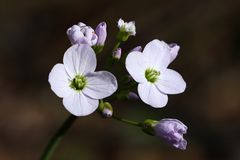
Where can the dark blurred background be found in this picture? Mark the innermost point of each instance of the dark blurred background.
(33, 39)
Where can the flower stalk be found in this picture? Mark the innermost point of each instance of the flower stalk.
(116, 45)
(56, 139)
(110, 62)
(127, 121)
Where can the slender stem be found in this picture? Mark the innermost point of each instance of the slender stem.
(53, 143)
(116, 46)
(110, 62)
(127, 121)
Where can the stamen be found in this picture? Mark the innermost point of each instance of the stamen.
(152, 75)
(78, 83)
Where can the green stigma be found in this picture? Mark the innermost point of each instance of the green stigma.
(78, 83)
(152, 75)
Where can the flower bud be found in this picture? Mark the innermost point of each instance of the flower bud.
(138, 48)
(105, 108)
(126, 29)
(82, 34)
(117, 53)
(74, 34)
(101, 32)
(132, 96)
(171, 130)
(107, 112)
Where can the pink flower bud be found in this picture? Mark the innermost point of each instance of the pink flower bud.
(132, 96)
(172, 131)
(101, 32)
(117, 54)
(82, 34)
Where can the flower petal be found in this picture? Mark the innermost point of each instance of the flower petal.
(174, 48)
(100, 84)
(120, 23)
(136, 65)
(79, 59)
(74, 34)
(79, 104)
(150, 94)
(59, 81)
(182, 144)
(158, 54)
(171, 82)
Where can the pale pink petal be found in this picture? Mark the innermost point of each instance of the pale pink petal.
(158, 54)
(79, 104)
(150, 94)
(79, 59)
(59, 81)
(136, 64)
(174, 48)
(100, 84)
(171, 82)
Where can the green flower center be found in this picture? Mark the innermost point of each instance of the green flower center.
(78, 83)
(151, 75)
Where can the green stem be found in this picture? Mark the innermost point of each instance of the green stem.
(53, 143)
(116, 46)
(110, 62)
(127, 121)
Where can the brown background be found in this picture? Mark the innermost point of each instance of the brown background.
(33, 39)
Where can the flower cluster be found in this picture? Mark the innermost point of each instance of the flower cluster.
(83, 34)
(84, 90)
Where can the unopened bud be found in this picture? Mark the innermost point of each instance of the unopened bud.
(101, 32)
(82, 34)
(132, 96)
(171, 130)
(117, 53)
(105, 109)
(107, 112)
(74, 34)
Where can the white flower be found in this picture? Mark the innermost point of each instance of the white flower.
(149, 69)
(76, 82)
(128, 27)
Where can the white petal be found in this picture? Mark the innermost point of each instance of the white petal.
(100, 84)
(79, 59)
(158, 54)
(80, 24)
(79, 104)
(120, 23)
(150, 94)
(136, 64)
(171, 82)
(174, 48)
(131, 28)
(59, 81)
